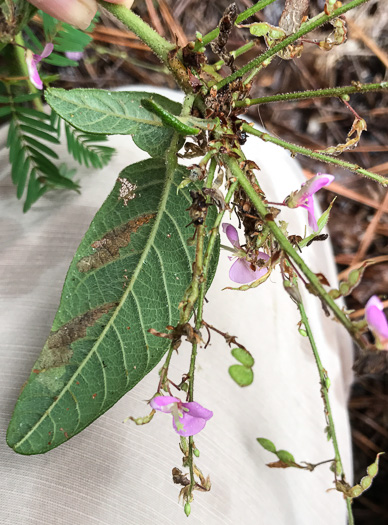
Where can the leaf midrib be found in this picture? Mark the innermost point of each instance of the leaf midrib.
(170, 172)
(155, 122)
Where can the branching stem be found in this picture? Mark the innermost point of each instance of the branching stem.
(287, 247)
(304, 29)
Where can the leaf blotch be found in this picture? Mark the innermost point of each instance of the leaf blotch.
(57, 351)
(108, 248)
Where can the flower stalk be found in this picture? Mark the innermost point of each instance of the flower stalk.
(287, 247)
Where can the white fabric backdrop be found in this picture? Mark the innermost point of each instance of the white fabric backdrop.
(115, 473)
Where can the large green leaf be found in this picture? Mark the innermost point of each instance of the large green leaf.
(115, 113)
(128, 275)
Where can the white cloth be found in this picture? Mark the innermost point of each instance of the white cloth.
(120, 474)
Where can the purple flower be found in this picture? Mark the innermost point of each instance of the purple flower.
(74, 55)
(304, 197)
(187, 418)
(377, 321)
(32, 61)
(244, 269)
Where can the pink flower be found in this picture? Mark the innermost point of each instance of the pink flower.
(78, 13)
(377, 321)
(32, 61)
(244, 269)
(187, 418)
(304, 197)
(74, 55)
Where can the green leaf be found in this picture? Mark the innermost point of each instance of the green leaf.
(26, 98)
(32, 112)
(42, 147)
(37, 123)
(242, 355)
(285, 456)
(39, 133)
(115, 113)
(128, 276)
(33, 189)
(242, 375)
(22, 178)
(322, 221)
(267, 444)
(60, 61)
(84, 151)
(5, 110)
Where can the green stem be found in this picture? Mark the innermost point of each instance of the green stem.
(209, 37)
(252, 10)
(317, 93)
(315, 155)
(22, 66)
(304, 29)
(204, 262)
(171, 164)
(324, 380)
(287, 247)
(324, 388)
(236, 53)
(350, 511)
(211, 172)
(198, 279)
(159, 45)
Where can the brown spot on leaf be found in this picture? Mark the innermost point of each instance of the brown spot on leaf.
(108, 248)
(57, 351)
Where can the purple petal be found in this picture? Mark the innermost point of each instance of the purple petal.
(74, 55)
(262, 255)
(31, 62)
(190, 425)
(232, 234)
(47, 50)
(164, 403)
(308, 205)
(197, 410)
(242, 273)
(375, 317)
(316, 183)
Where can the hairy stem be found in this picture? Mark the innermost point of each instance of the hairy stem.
(317, 93)
(287, 247)
(159, 45)
(315, 155)
(165, 50)
(235, 53)
(324, 380)
(304, 29)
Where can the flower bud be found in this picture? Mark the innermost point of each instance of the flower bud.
(187, 509)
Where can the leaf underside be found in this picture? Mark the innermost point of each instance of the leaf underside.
(128, 275)
(115, 113)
